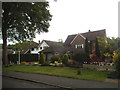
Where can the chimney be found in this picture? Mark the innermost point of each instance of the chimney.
(39, 41)
(89, 31)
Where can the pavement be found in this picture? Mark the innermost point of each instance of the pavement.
(16, 83)
(63, 82)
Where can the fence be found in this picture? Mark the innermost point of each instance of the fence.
(23, 57)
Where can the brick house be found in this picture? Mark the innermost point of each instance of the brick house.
(77, 41)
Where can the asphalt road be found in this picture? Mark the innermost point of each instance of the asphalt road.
(15, 83)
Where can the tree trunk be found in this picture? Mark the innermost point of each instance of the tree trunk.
(4, 47)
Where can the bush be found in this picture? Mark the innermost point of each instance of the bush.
(65, 59)
(79, 57)
(46, 63)
(54, 58)
(42, 58)
(23, 63)
(116, 60)
(94, 58)
(74, 64)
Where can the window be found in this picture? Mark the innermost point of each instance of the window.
(32, 49)
(79, 46)
(40, 47)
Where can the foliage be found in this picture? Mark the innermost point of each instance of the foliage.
(116, 59)
(46, 63)
(79, 57)
(104, 46)
(97, 50)
(87, 47)
(56, 63)
(94, 58)
(65, 59)
(74, 64)
(54, 58)
(87, 51)
(22, 20)
(42, 58)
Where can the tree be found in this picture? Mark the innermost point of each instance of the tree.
(21, 20)
(97, 50)
(87, 51)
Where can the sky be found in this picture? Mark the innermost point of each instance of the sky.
(79, 16)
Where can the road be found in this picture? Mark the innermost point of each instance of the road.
(15, 83)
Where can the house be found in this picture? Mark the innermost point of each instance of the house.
(50, 48)
(77, 41)
(32, 48)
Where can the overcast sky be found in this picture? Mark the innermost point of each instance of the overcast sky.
(78, 16)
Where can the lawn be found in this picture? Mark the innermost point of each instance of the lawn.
(61, 71)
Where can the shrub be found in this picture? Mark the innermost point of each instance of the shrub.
(116, 60)
(79, 72)
(56, 63)
(94, 58)
(74, 64)
(46, 63)
(24, 63)
(42, 58)
(54, 58)
(65, 59)
(79, 57)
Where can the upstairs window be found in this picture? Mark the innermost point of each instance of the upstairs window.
(79, 46)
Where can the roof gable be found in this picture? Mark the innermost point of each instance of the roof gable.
(76, 37)
(53, 47)
(69, 39)
(90, 35)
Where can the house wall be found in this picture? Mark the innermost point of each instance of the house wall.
(39, 48)
(35, 51)
(79, 40)
(48, 56)
(43, 46)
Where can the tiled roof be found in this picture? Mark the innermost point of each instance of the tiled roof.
(69, 39)
(53, 47)
(30, 46)
(91, 35)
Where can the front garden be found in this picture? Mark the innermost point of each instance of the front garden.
(70, 72)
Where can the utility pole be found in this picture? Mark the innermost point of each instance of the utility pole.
(19, 57)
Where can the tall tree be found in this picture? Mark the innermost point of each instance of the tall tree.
(97, 50)
(21, 20)
(87, 50)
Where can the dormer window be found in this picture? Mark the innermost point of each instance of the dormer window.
(79, 46)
